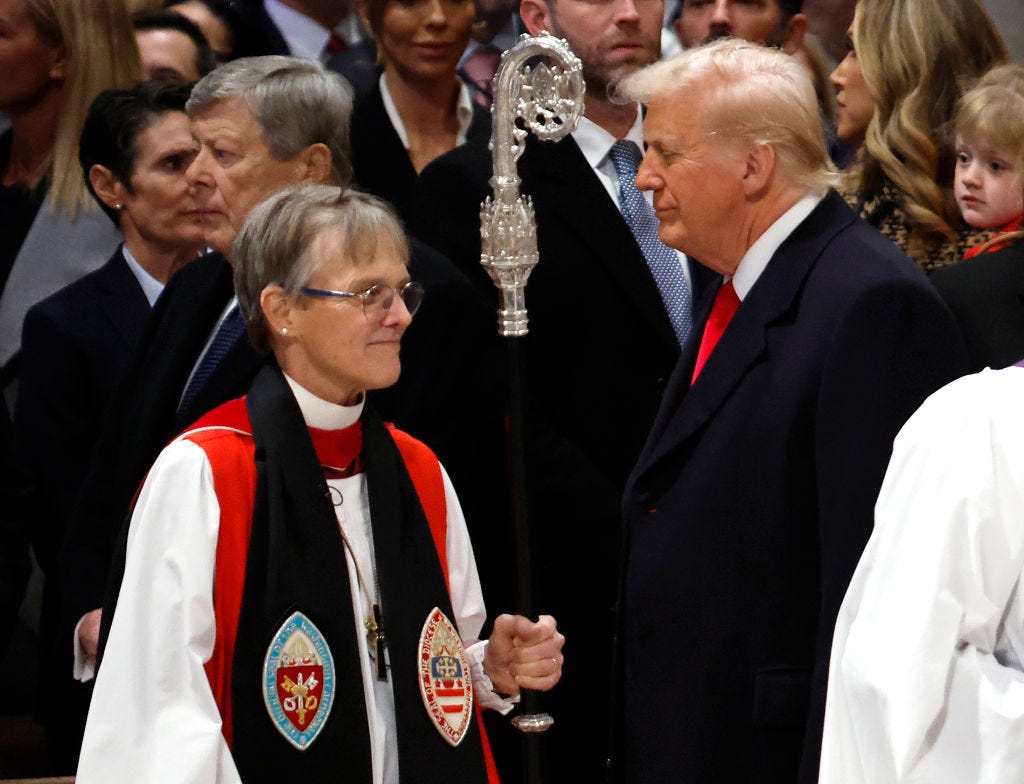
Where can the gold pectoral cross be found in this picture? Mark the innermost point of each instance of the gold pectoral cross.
(376, 638)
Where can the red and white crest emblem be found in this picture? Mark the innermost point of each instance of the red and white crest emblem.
(445, 681)
(298, 681)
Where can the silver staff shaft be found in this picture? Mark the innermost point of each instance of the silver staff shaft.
(530, 96)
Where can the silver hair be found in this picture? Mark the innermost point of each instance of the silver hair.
(274, 247)
(749, 94)
(297, 102)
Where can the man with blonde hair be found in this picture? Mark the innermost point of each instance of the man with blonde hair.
(752, 497)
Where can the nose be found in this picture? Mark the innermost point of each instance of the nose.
(969, 174)
(721, 14)
(626, 11)
(838, 76)
(198, 172)
(647, 176)
(398, 314)
(436, 16)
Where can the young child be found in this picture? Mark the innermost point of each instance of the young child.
(989, 175)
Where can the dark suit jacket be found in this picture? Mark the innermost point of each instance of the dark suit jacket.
(76, 346)
(262, 36)
(379, 160)
(598, 354)
(986, 295)
(750, 504)
(358, 64)
(144, 418)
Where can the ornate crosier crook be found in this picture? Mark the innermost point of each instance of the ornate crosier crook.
(547, 101)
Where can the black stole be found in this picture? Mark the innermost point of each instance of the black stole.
(296, 561)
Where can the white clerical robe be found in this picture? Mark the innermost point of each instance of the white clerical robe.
(926, 682)
(153, 717)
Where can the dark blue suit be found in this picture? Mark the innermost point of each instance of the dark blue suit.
(752, 500)
(76, 346)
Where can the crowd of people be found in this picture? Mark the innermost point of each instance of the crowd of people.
(775, 340)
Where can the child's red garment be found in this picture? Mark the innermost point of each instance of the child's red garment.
(1011, 226)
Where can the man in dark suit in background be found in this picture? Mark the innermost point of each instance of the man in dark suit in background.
(752, 498)
(602, 343)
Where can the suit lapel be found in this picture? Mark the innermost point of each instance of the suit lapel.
(560, 168)
(122, 301)
(685, 409)
(679, 382)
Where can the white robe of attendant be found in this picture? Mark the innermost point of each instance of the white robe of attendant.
(926, 681)
(153, 717)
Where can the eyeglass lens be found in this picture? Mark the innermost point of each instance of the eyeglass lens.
(380, 298)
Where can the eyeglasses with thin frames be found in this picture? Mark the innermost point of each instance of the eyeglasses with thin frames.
(376, 300)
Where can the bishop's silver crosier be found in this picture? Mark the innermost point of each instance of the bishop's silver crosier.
(548, 101)
(530, 95)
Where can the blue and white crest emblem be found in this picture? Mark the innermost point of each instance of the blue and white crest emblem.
(298, 681)
(445, 682)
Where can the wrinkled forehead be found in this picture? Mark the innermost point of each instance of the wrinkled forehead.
(227, 116)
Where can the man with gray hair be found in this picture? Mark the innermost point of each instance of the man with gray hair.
(261, 124)
(752, 498)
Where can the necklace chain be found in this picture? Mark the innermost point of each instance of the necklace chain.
(374, 622)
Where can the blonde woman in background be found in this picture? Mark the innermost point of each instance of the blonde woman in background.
(56, 57)
(897, 89)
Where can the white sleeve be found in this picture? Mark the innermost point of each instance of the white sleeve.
(83, 667)
(926, 682)
(468, 600)
(153, 717)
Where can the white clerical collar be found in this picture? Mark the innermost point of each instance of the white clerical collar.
(463, 112)
(321, 414)
(595, 142)
(756, 259)
(305, 36)
(151, 287)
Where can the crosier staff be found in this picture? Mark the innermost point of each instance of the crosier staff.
(546, 101)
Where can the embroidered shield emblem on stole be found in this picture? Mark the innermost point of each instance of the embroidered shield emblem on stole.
(298, 681)
(445, 681)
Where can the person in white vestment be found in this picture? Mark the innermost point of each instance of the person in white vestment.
(926, 681)
(322, 281)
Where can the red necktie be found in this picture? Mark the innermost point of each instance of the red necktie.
(335, 44)
(722, 311)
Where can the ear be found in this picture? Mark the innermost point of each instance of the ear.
(315, 165)
(536, 15)
(759, 169)
(107, 186)
(59, 67)
(795, 32)
(277, 310)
